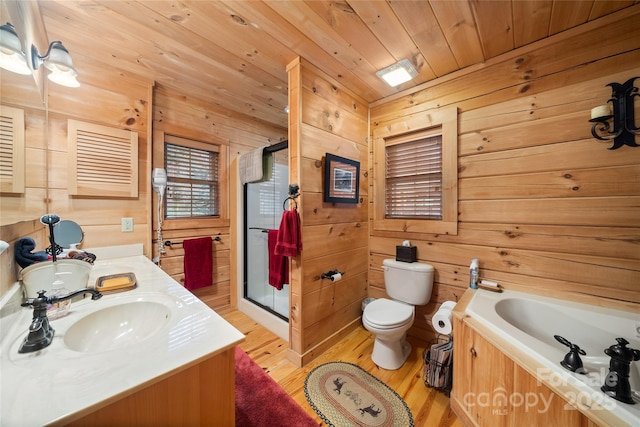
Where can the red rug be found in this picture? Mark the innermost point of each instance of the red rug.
(261, 402)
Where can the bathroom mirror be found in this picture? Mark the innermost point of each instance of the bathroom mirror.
(67, 233)
(21, 92)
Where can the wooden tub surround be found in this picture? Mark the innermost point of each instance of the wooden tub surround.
(489, 371)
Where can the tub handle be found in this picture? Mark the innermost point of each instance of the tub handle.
(572, 359)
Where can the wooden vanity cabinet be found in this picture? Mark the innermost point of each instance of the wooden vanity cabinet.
(200, 395)
(490, 389)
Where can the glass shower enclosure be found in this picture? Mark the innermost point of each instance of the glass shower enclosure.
(263, 202)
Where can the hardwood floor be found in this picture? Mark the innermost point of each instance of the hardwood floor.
(428, 406)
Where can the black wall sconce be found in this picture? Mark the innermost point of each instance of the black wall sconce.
(623, 118)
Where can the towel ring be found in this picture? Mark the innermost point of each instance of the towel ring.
(284, 204)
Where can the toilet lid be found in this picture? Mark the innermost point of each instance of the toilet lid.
(385, 313)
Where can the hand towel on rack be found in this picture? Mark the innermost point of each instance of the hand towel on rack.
(289, 242)
(278, 264)
(198, 263)
(251, 166)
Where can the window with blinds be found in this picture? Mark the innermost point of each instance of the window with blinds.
(413, 180)
(415, 175)
(192, 182)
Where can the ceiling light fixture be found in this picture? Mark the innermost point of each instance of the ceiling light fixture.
(58, 61)
(12, 57)
(398, 73)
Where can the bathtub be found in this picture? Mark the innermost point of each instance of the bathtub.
(529, 322)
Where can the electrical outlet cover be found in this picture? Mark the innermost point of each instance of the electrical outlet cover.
(127, 225)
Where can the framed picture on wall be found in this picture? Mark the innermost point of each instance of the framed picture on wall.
(341, 179)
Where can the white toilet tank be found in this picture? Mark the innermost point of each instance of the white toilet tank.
(409, 282)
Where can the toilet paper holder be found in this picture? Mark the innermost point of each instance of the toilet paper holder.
(329, 274)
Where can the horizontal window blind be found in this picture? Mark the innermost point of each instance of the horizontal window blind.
(192, 182)
(413, 179)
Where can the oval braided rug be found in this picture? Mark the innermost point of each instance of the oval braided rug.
(344, 394)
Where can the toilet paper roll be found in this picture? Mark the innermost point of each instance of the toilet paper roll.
(441, 321)
(449, 305)
(336, 277)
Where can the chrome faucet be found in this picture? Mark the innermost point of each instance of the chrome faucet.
(40, 331)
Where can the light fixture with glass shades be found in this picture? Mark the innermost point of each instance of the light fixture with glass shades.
(398, 73)
(12, 58)
(57, 59)
(58, 62)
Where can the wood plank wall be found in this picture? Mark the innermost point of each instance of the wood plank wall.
(545, 206)
(129, 108)
(325, 118)
(187, 118)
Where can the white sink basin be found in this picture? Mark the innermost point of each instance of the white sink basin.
(117, 326)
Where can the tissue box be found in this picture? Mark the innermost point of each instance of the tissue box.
(406, 253)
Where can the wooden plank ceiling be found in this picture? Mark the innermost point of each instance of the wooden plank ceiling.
(233, 54)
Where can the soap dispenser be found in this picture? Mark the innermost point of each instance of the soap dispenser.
(473, 274)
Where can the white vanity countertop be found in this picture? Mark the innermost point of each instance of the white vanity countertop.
(57, 384)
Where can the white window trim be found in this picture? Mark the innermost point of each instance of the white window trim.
(447, 120)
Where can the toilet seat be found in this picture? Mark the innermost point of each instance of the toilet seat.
(388, 314)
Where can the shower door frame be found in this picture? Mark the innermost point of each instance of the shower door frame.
(270, 149)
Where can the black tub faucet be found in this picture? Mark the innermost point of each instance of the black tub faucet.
(40, 331)
(616, 384)
(572, 360)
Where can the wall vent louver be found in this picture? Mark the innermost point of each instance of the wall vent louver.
(103, 161)
(12, 157)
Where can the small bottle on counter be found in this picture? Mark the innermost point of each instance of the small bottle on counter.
(473, 274)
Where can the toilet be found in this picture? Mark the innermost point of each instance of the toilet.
(409, 284)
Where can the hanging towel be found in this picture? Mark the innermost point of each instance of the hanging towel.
(278, 264)
(289, 242)
(198, 263)
(24, 255)
(251, 166)
(267, 166)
